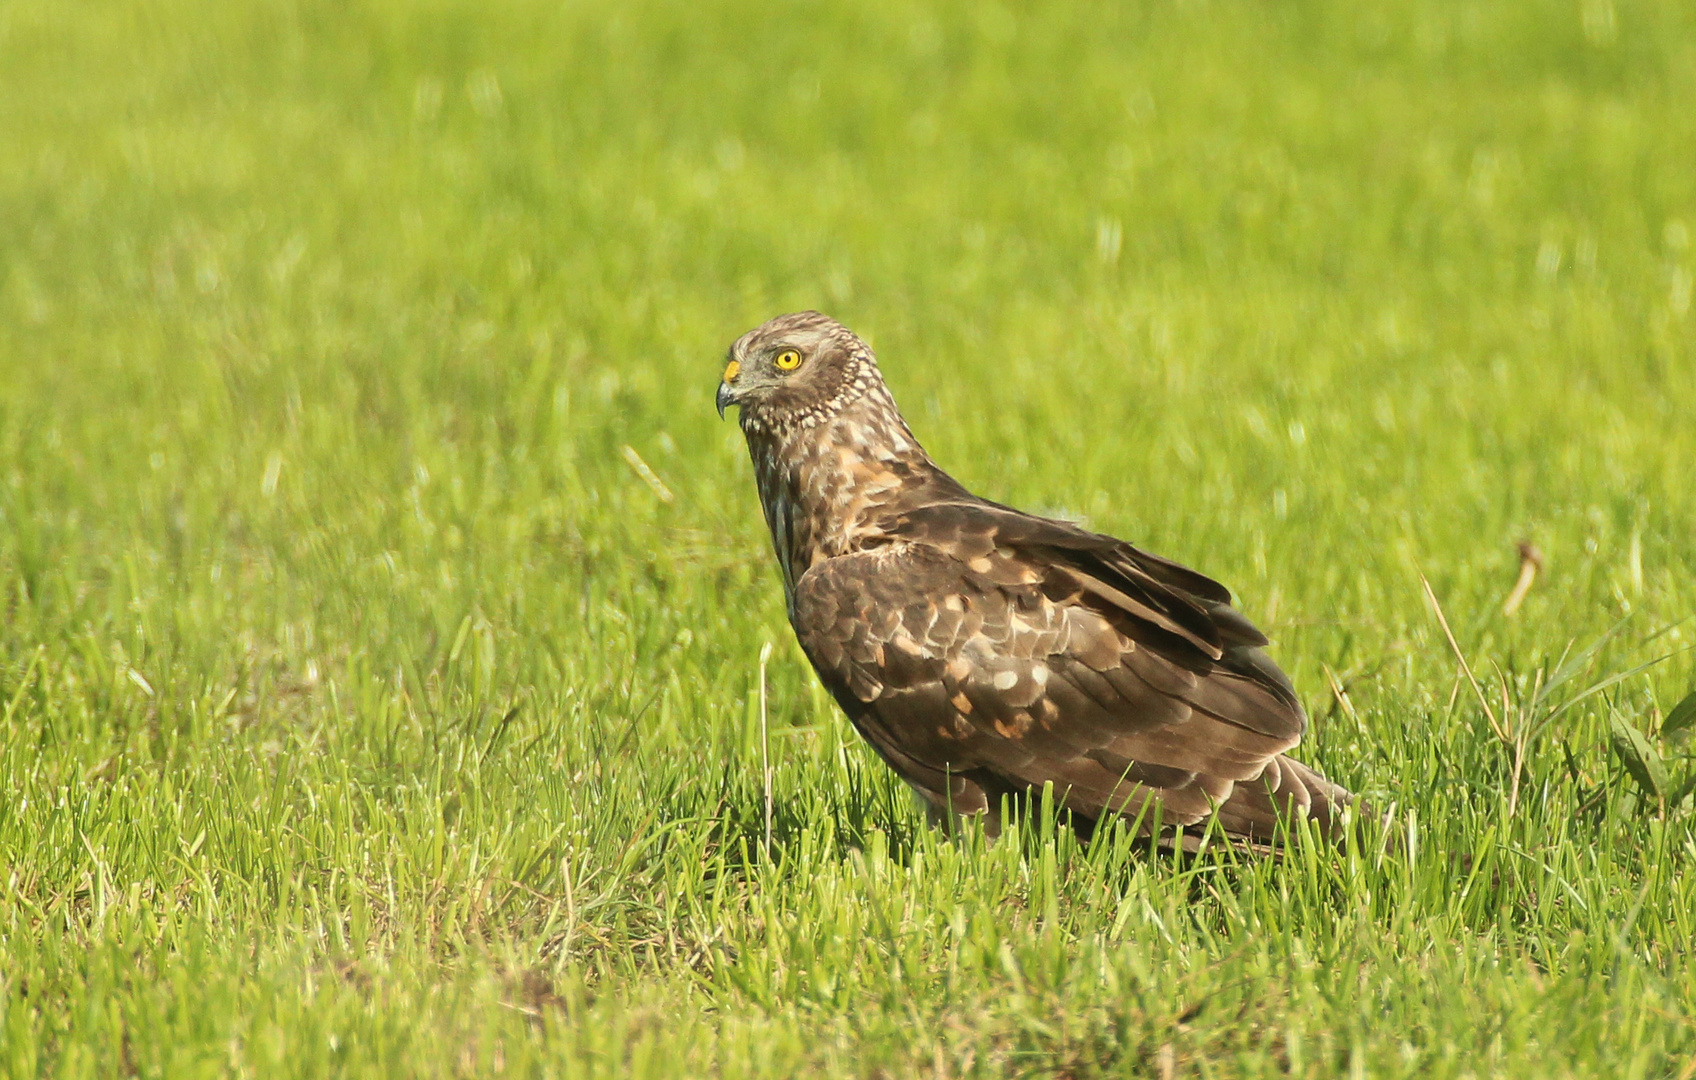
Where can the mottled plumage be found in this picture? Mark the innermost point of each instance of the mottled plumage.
(985, 652)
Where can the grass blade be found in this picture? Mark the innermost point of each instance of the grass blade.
(1682, 718)
(1640, 759)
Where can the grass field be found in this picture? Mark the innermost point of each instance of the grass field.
(368, 712)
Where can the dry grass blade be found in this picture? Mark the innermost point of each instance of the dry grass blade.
(1530, 564)
(1466, 668)
(645, 471)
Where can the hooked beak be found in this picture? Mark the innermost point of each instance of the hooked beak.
(727, 396)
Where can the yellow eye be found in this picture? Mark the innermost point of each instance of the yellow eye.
(787, 360)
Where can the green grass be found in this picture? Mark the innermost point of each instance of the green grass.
(366, 713)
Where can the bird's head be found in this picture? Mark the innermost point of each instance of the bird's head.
(795, 371)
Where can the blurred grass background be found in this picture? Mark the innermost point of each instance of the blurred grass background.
(367, 713)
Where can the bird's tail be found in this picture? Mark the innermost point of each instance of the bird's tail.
(1262, 811)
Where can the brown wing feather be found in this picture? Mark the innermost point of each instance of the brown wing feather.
(985, 651)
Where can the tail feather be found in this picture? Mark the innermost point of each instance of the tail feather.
(1258, 810)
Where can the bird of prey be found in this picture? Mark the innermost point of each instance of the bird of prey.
(984, 652)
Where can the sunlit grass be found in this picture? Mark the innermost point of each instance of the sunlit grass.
(367, 712)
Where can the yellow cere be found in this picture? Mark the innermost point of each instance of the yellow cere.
(731, 369)
(788, 360)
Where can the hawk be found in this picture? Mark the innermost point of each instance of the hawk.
(984, 652)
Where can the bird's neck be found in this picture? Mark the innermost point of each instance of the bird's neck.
(825, 487)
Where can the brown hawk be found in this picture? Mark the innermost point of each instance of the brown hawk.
(985, 652)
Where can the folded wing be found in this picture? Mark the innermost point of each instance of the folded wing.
(983, 651)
